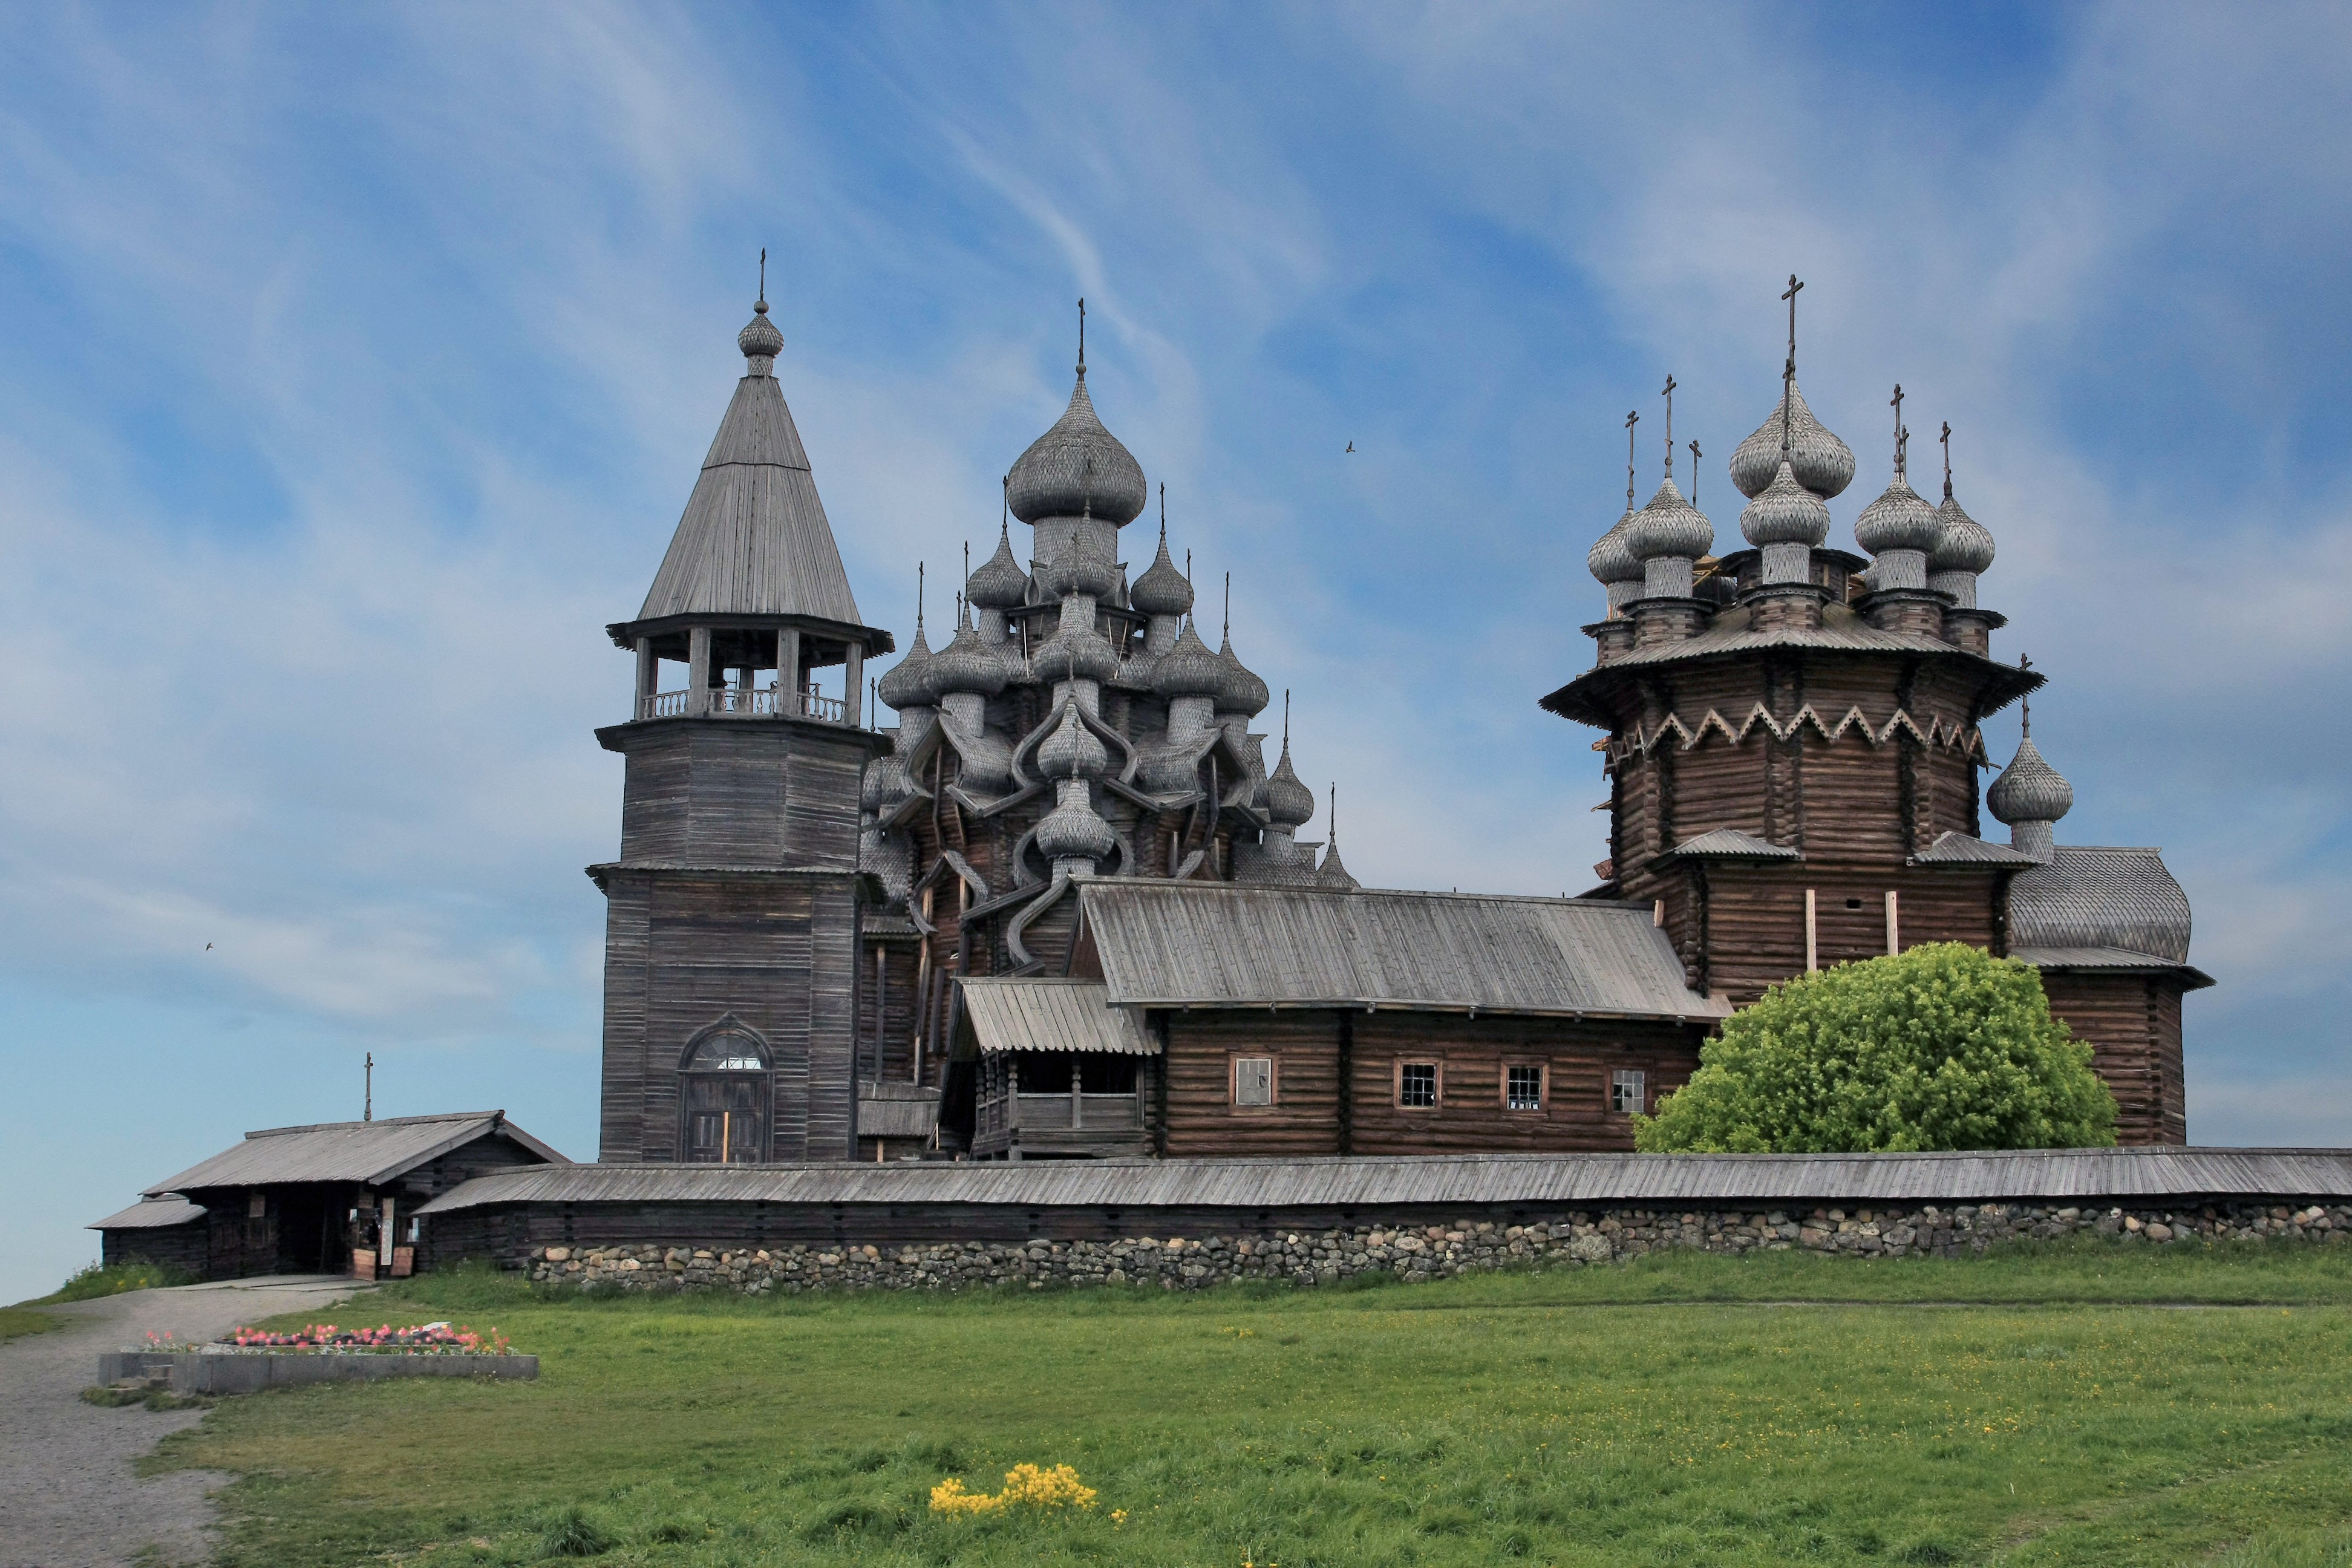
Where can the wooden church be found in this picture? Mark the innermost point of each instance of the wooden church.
(1062, 908)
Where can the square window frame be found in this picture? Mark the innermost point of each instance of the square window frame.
(1437, 1085)
(1543, 1087)
(1608, 1091)
(1233, 1082)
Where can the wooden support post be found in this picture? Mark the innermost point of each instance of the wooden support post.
(384, 1238)
(648, 678)
(1812, 948)
(852, 686)
(788, 671)
(698, 670)
(1894, 926)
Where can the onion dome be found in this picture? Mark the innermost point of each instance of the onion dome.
(1669, 526)
(1073, 751)
(1081, 570)
(1074, 653)
(1288, 802)
(1162, 590)
(2029, 789)
(1076, 466)
(908, 682)
(1241, 691)
(1964, 544)
(1072, 831)
(1188, 669)
(760, 339)
(1897, 519)
(885, 785)
(967, 664)
(1823, 464)
(1610, 560)
(1785, 512)
(999, 583)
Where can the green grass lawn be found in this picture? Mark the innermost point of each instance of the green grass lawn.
(1667, 1412)
(15, 1321)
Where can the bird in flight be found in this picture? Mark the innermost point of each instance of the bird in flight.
(1351, 447)
(208, 947)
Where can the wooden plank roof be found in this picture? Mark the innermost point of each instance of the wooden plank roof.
(754, 538)
(2101, 897)
(152, 1213)
(1223, 945)
(1042, 1013)
(1561, 1181)
(369, 1152)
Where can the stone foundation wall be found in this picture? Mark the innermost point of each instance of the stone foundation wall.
(1418, 1252)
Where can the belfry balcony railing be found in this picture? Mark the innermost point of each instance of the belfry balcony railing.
(744, 702)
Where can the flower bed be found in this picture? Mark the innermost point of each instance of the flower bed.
(422, 1338)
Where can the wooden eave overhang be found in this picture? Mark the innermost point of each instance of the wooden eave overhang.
(624, 634)
(1598, 696)
(613, 737)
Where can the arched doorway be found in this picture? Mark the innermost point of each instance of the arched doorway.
(725, 1096)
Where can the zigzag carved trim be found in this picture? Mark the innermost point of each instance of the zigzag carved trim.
(1938, 732)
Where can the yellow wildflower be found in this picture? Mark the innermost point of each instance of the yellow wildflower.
(1025, 1486)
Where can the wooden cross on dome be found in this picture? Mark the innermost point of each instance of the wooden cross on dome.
(1902, 436)
(1669, 396)
(1789, 371)
(1632, 417)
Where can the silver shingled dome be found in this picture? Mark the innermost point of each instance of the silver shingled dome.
(909, 683)
(999, 583)
(1610, 560)
(2029, 790)
(1287, 800)
(1962, 543)
(1241, 691)
(1785, 512)
(1188, 669)
(1162, 590)
(1824, 464)
(1669, 526)
(1076, 467)
(1897, 519)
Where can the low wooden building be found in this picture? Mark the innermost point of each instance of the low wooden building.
(330, 1198)
(1218, 1019)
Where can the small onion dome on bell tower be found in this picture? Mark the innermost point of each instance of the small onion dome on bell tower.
(967, 665)
(1898, 528)
(1240, 691)
(1823, 464)
(2030, 796)
(999, 583)
(760, 340)
(1188, 669)
(1288, 802)
(910, 683)
(1162, 590)
(1667, 535)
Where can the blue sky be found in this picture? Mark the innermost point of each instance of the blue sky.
(354, 367)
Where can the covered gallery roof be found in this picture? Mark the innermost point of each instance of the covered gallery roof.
(1222, 944)
(368, 1152)
(1050, 1014)
(1550, 1180)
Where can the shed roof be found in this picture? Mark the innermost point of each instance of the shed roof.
(369, 1152)
(1042, 1013)
(1730, 843)
(1219, 944)
(1964, 849)
(152, 1214)
(2112, 898)
(896, 1110)
(1566, 1181)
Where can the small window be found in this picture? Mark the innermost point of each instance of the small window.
(729, 1052)
(1627, 1089)
(1523, 1087)
(1417, 1085)
(1253, 1080)
(1853, 903)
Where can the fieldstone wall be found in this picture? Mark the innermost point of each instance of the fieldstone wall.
(1417, 1252)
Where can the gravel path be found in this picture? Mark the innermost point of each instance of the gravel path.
(68, 1497)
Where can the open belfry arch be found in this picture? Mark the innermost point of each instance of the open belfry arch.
(1792, 742)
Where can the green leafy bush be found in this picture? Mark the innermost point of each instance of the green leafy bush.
(112, 1279)
(1943, 1047)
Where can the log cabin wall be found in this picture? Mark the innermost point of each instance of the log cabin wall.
(2132, 1023)
(1575, 1058)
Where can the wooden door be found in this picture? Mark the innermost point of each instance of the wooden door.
(725, 1119)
